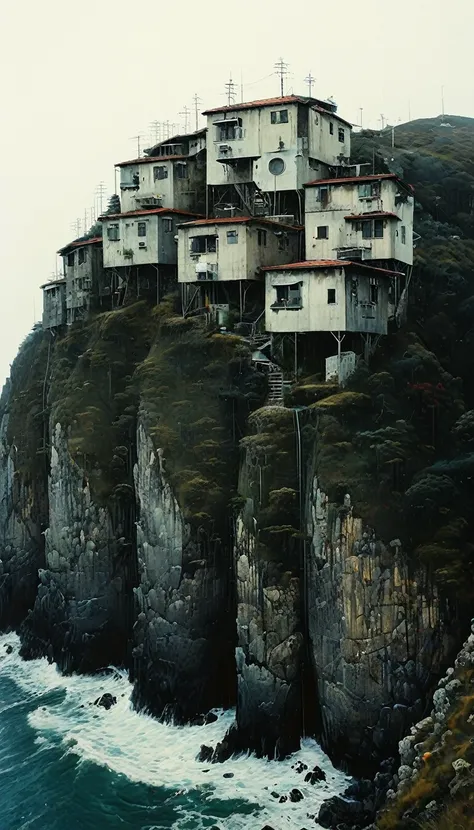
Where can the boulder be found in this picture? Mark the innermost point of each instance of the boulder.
(106, 701)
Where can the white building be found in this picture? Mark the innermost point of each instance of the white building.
(326, 296)
(142, 237)
(233, 249)
(172, 175)
(275, 145)
(361, 217)
(54, 304)
(83, 270)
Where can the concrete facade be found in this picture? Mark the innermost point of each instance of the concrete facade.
(370, 215)
(83, 270)
(145, 237)
(54, 304)
(223, 250)
(326, 296)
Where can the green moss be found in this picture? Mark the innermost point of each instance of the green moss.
(344, 400)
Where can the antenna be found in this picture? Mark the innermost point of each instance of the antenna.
(196, 101)
(76, 227)
(185, 114)
(155, 127)
(137, 138)
(442, 101)
(310, 81)
(361, 110)
(281, 69)
(382, 120)
(230, 89)
(100, 192)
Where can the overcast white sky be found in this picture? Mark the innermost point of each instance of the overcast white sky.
(80, 79)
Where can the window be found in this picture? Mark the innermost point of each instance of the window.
(113, 233)
(331, 296)
(323, 232)
(369, 190)
(279, 117)
(288, 296)
(229, 132)
(168, 225)
(141, 228)
(232, 237)
(341, 135)
(82, 252)
(70, 259)
(160, 173)
(404, 234)
(203, 244)
(262, 237)
(374, 291)
(276, 167)
(322, 195)
(331, 127)
(372, 229)
(181, 171)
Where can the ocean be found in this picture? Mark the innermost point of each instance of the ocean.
(66, 764)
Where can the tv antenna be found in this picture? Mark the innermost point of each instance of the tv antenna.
(185, 114)
(138, 139)
(156, 130)
(196, 101)
(230, 91)
(310, 81)
(281, 69)
(100, 192)
(76, 227)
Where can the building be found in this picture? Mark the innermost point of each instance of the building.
(260, 154)
(233, 249)
(327, 296)
(140, 248)
(367, 218)
(171, 175)
(54, 304)
(86, 283)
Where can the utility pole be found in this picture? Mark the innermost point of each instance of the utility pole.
(185, 114)
(281, 69)
(382, 120)
(100, 193)
(137, 138)
(76, 227)
(310, 81)
(361, 110)
(230, 88)
(155, 127)
(196, 101)
(442, 101)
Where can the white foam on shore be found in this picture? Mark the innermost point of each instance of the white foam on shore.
(161, 755)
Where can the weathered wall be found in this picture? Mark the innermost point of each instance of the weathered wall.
(184, 631)
(81, 617)
(377, 633)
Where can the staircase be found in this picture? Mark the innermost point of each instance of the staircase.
(275, 389)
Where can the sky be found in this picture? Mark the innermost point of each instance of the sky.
(80, 80)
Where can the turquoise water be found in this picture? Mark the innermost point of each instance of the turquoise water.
(68, 765)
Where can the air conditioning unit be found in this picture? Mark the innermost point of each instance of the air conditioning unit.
(142, 244)
(224, 149)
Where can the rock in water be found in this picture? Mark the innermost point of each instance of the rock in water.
(107, 701)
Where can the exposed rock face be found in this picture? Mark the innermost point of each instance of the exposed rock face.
(81, 616)
(184, 634)
(377, 633)
(22, 543)
(269, 652)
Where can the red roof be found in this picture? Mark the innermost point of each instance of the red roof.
(231, 220)
(149, 159)
(146, 213)
(380, 214)
(314, 103)
(53, 284)
(80, 243)
(325, 263)
(356, 179)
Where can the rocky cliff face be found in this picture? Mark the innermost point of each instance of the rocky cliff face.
(81, 616)
(184, 634)
(21, 541)
(377, 629)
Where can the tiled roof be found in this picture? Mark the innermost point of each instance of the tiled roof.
(359, 179)
(380, 214)
(232, 220)
(145, 213)
(80, 243)
(269, 102)
(150, 159)
(325, 263)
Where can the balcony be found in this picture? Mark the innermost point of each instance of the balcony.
(206, 271)
(293, 303)
(149, 202)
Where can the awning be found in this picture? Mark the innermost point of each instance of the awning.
(233, 120)
(285, 279)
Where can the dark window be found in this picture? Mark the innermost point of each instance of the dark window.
(113, 233)
(331, 296)
(70, 258)
(369, 190)
(322, 195)
(81, 255)
(181, 171)
(160, 173)
(279, 117)
(341, 135)
(331, 127)
(211, 244)
(374, 291)
(372, 229)
(366, 230)
(168, 225)
(378, 228)
(232, 237)
(323, 232)
(262, 237)
(141, 228)
(203, 244)
(229, 132)
(288, 296)
(404, 234)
